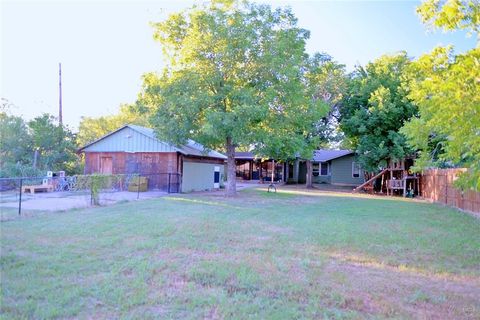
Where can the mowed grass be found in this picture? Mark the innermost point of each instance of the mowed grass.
(290, 255)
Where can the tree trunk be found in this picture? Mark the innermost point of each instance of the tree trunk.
(309, 178)
(296, 168)
(287, 172)
(273, 171)
(231, 176)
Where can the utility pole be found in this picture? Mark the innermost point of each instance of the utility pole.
(60, 120)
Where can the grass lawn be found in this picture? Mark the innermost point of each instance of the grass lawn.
(289, 255)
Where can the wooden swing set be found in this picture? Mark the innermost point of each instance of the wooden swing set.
(396, 179)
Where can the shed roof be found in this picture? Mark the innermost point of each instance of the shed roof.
(324, 155)
(152, 144)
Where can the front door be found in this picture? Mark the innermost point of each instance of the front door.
(106, 165)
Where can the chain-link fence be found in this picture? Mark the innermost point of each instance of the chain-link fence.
(27, 195)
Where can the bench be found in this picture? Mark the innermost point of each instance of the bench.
(38, 188)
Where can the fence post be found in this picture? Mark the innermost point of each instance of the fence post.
(20, 198)
(138, 187)
(91, 191)
(446, 187)
(169, 177)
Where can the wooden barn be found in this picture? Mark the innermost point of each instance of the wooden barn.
(133, 149)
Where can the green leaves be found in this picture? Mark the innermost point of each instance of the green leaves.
(451, 14)
(375, 108)
(55, 143)
(55, 146)
(234, 71)
(446, 88)
(447, 91)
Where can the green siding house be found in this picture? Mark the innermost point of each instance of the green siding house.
(337, 167)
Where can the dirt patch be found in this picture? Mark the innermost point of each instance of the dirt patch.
(58, 201)
(391, 292)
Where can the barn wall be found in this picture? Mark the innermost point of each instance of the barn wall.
(129, 140)
(139, 162)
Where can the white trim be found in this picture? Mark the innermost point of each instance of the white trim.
(216, 185)
(354, 163)
(320, 169)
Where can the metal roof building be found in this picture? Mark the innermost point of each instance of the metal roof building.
(133, 149)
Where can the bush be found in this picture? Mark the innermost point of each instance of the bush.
(11, 170)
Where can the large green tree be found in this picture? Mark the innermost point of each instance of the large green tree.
(451, 14)
(30, 148)
(322, 89)
(328, 81)
(446, 88)
(15, 146)
(233, 77)
(325, 81)
(375, 108)
(55, 144)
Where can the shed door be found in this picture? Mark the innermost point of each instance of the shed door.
(216, 177)
(106, 165)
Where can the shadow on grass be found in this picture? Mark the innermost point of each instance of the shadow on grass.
(287, 192)
(370, 262)
(198, 201)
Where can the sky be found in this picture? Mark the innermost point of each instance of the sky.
(106, 46)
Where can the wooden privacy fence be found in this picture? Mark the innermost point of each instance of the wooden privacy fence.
(437, 185)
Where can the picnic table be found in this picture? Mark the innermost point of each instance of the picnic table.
(38, 188)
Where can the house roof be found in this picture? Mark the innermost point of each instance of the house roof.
(324, 155)
(244, 155)
(321, 155)
(192, 148)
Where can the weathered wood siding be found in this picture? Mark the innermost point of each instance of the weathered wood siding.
(437, 185)
(139, 162)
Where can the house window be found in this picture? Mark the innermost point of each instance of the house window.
(315, 169)
(324, 169)
(355, 170)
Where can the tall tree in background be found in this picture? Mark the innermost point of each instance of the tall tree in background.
(328, 81)
(446, 88)
(374, 110)
(324, 83)
(54, 143)
(33, 147)
(233, 77)
(15, 146)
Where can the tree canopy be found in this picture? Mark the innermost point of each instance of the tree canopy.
(234, 76)
(15, 145)
(19, 140)
(446, 88)
(451, 14)
(375, 108)
(328, 81)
